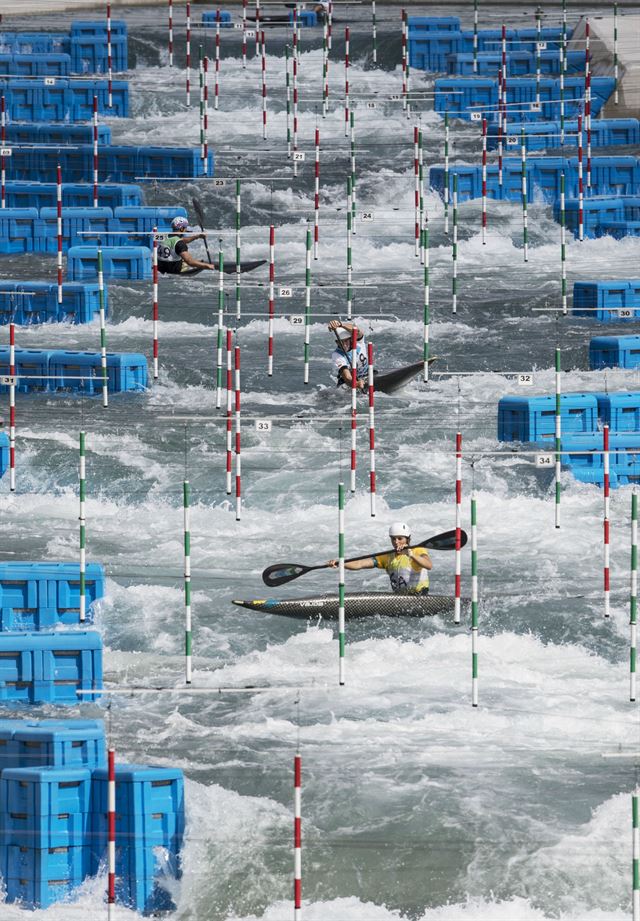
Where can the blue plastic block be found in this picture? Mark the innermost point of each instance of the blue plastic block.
(4, 453)
(158, 829)
(65, 746)
(31, 368)
(126, 262)
(39, 65)
(27, 194)
(533, 418)
(98, 27)
(80, 226)
(53, 133)
(83, 91)
(89, 54)
(181, 162)
(620, 411)
(422, 24)
(618, 229)
(143, 220)
(17, 230)
(210, 18)
(49, 667)
(39, 877)
(141, 790)
(43, 807)
(459, 96)
(36, 596)
(614, 352)
(607, 301)
(27, 302)
(582, 451)
(82, 372)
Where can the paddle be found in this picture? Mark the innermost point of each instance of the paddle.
(281, 573)
(229, 268)
(197, 207)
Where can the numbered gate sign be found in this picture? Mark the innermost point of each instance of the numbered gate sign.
(237, 25)
(512, 140)
(285, 292)
(219, 183)
(396, 97)
(525, 380)
(541, 46)
(250, 33)
(371, 105)
(49, 81)
(367, 216)
(296, 319)
(476, 117)
(298, 156)
(625, 313)
(5, 152)
(545, 460)
(535, 107)
(263, 425)
(8, 381)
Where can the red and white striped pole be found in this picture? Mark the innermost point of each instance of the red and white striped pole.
(170, 33)
(484, 180)
(587, 98)
(294, 72)
(59, 229)
(216, 88)
(238, 433)
(605, 462)
(3, 141)
(372, 432)
(456, 611)
(188, 39)
(257, 27)
(580, 183)
(346, 81)
(263, 44)
(297, 837)
(316, 197)
(416, 193)
(404, 60)
(272, 276)
(109, 61)
(155, 304)
(205, 114)
(95, 151)
(354, 398)
(12, 406)
(500, 128)
(244, 34)
(111, 834)
(229, 407)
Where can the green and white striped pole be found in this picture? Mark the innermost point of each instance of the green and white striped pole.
(633, 600)
(426, 315)
(238, 272)
(307, 306)
(538, 49)
(341, 634)
(474, 602)
(374, 32)
(325, 68)
(563, 247)
(525, 220)
(201, 101)
(454, 247)
(187, 581)
(475, 36)
(558, 439)
(287, 82)
(421, 184)
(103, 332)
(349, 251)
(446, 172)
(616, 72)
(83, 530)
(220, 327)
(353, 168)
(635, 811)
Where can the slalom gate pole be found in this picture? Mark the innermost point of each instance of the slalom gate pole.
(307, 304)
(295, 114)
(558, 438)
(484, 181)
(298, 39)
(563, 247)
(580, 183)
(216, 85)
(201, 100)
(170, 33)
(407, 67)
(155, 310)
(287, 84)
(474, 601)
(188, 43)
(103, 332)
(83, 529)
(446, 172)
(257, 28)
(635, 859)
(187, 580)
(416, 193)
(59, 229)
(297, 837)
(525, 220)
(272, 312)
(405, 88)
(238, 271)
(349, 251)
(563, 69)
(95, 151)
(500, 129)
(325, 68)
(294, 33)
(111, 834)
(354, 404)
(633, 600)
(316, 196)
(504, 82)
(616, 71)
(3, 141)
(263, 44)
(475, 36)
(421, 184)
(454, 247)
(330, 25)
(12, 406)
(587, 98)
(538, 50)
(220, 326)
(237, 394)
(205, 115)
(426, 312)
(352, 150)
(341, 630)
(372, 431)
(374, 33)
(458, 545)
(605, 522)
(244, 34)
(109, 61)
(229, 408)
(346, 81)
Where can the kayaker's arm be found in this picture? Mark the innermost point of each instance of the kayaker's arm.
(422, 559)
(366, 563)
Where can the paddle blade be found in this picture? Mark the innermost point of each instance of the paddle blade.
(280, 573)
(230, 268)
(446, 541)
(197, 207)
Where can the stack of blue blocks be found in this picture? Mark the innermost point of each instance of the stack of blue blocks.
(48, 668)
(62, 99)
(607, 301)
(22, 194)
(614, 352)
(48, 370)
(30, 302)
(40, 596)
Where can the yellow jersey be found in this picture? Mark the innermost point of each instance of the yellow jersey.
(407, 577)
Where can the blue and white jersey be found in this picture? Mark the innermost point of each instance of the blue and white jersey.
(341, 360)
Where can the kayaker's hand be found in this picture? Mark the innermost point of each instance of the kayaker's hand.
(334, 325)
(360, 384)
(332, 563)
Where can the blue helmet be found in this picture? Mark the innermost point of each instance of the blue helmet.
(179, 224)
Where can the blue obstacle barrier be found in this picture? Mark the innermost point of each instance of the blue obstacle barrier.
(34, 42)
(614, 352)
(132, 263)
(607, 301)
(81, 372)
(603, 216)
(79, 225)
(45, 807)
(26, 194)
(533, 418)
(35, 65)
(428, 24)
(31, 368)
(620, 411)
(429, 51)
(545, 134)
(52, 133)
(39, 668)
(16, 230)
(52, 743)
(38, 877)
(4, 453)
(40, 596)
(25, 303)
(210, 18)
(619, 229)
(38, 100)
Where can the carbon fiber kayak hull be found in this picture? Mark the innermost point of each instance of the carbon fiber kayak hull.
(366, 604)
(390, 381)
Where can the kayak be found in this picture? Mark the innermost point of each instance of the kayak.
(229, 268)
(390, 381)
(364, 604)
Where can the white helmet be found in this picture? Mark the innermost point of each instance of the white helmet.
(399, 529)
(343, 334)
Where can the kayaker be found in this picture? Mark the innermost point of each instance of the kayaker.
(341, 356)
(406, 566)
(321, 10)
(174, 257)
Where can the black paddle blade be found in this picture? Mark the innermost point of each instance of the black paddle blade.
(280, 573)
(446, 541)
(197, 207)
(230, 268)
